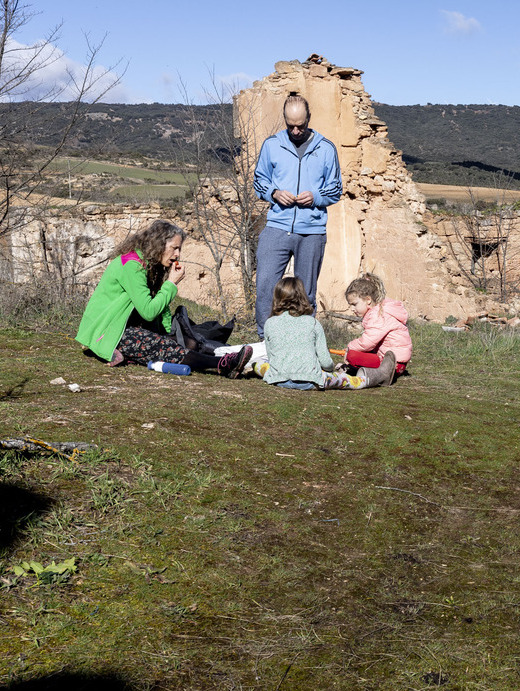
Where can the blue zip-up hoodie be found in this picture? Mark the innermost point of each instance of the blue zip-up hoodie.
(279, 168)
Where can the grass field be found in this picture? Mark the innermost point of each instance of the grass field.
(231, 535)
(149, 192)
(113, 181)
(137, 172)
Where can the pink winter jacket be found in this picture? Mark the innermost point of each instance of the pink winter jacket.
(385, 329)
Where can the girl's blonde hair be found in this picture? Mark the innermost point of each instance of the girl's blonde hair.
(367, 286)
(289, 296)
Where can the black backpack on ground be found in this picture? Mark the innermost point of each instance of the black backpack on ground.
(203, 337)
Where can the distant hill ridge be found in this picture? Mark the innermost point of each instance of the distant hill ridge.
(454, 144)
(485, 133)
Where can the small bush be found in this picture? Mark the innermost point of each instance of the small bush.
(47, 305)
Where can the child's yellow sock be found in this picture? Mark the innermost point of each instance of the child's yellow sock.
(341, 380)
(260, 368)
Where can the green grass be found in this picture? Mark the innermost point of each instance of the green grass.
(232, 535)
(150, 192)
(100, 168)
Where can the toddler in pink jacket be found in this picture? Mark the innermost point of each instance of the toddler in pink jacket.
(384, 324)
(384, 348)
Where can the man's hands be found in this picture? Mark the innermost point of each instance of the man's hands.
(286, 198)
(305, 199)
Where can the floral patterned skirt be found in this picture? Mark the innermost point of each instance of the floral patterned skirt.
(140, 345)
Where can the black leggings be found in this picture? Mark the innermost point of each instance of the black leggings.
(200, 361)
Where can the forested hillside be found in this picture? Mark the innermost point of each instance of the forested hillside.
(154, 130)
(451, 144)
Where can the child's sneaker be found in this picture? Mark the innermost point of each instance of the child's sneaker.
(260, 368)
(232, 364)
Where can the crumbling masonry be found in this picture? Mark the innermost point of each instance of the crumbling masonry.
(378, 223)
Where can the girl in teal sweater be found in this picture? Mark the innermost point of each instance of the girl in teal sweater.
(128, 316)
(296, 346)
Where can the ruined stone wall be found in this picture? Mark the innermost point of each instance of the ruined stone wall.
(72, 246)
(378, 223)
(482, 246)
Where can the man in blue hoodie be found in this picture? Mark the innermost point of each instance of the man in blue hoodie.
(298, 173)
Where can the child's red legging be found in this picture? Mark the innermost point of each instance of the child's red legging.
(358, 359)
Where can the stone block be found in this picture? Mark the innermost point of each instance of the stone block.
(349, 160)
(375, 156)
(287, 67)
(343, 72)
(356, 85)
(373, 187)
(349, 132)
(318, 71)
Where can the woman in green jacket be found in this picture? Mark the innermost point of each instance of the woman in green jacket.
(128, 316)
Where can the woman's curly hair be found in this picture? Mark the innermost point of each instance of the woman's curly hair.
(151, 242)
(289, 296)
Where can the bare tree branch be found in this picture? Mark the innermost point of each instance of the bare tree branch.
(22, 165)
(227, 215)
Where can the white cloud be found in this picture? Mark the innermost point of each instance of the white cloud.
(235, 82)
(171, 88)
(43, 72)
(457, 23)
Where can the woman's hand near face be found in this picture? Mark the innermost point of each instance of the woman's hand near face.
(176, 273)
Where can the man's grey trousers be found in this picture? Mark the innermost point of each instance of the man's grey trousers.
(275, 249)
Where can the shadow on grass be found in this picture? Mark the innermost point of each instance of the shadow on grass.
(18, 507)
(14, 391)
(65, 681)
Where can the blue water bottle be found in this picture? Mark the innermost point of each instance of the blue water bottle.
(169, 367)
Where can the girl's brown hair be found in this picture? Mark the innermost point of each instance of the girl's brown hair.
(151, 242)
(289, 296)
(367, 286)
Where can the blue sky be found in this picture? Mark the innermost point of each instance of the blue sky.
(411, 51)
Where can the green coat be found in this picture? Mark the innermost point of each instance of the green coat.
(122, 288)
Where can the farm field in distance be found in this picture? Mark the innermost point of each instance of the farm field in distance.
(460, 193)
(86, 167)
(104, 180)
(125, 182)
